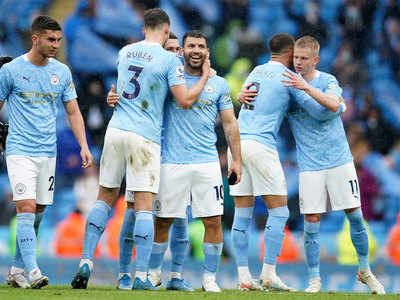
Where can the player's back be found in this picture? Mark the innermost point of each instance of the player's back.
(145, 72)
(261, 120)
(320, 144)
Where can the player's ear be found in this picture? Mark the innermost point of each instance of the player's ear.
(35, 38)
(143, 31)
(316, 60)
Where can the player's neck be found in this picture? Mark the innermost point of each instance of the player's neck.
(190, 71)
(36, 58)
(310, 75)
(155, 37)
(280, 59)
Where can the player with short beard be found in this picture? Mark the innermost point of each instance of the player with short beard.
(33, 85)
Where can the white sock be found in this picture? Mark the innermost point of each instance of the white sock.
(141, 275)
(176, 275)
(268, 271)
(243, 273)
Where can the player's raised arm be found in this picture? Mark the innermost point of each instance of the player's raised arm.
(78, 128)
(329, 100)
(186, 97)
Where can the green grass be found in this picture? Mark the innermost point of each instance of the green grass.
(110, 293)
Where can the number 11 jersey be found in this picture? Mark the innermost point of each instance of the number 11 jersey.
(145, 73)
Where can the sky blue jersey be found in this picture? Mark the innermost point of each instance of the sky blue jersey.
(321, 142)
(145, 73)
(262, 119)
(32, 94)
(189, 134)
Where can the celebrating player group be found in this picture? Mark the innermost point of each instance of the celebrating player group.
(161, 139)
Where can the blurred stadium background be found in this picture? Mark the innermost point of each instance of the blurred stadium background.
(360, 45)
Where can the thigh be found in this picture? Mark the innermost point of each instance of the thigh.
(46, 181)
(207, 190)
(113, 161)
(343, 187)
(174, 193)
(143, 164)
(245, 186)
(312, 192)
(266, 171)
(23, 172)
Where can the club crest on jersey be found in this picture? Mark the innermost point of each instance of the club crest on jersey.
(129, 196)
(20, 188)
(209, 89)
(54, 79)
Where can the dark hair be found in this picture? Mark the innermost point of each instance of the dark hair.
(281, 43)
(155, 17)
(195, 34)
(4, 60)
(172, 36)
(42, 23)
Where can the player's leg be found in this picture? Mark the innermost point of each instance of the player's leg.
(208, 204)
(278, 214)
(143, 235)
(112, 169)
(170, 204)
(160, 245)
(126, 243)
(24, 188)
(244, 203)
(313, 201)
(344, 192)
(179, 250)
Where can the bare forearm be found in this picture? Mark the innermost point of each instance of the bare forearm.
(233, 138)
(330, 101)
(195, 90)
(78, 128)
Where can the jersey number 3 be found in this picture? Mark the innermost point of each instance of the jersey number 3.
(137, 70)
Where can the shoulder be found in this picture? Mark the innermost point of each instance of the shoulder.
(327, 76)
(14, 65)
(219, 81)
(59, 65)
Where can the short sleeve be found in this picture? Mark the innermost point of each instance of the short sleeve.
(224, 100)
(69, 89)
(5, 83)
(175, 72)
(332, 86)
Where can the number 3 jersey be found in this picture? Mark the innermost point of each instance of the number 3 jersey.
(33, 94)
(145, 73)
(189, 134)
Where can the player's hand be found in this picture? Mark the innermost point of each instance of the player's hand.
(112, 97)
(212, 73)
(246, 95)
(236, 167)
(205, 69)
(86, 156)
(294, 80)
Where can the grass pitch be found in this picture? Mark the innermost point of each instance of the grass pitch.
(110, 293)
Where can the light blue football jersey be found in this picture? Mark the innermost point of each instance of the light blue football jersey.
(32, 94)
(261, 120)
(145, 73)
(321, 144)
(189, 134)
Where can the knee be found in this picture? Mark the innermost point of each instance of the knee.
(281, 212)
(312, 218)
(212, 223)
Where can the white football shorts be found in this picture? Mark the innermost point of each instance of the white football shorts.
(262, 172)
(32, 177)
(339, 183)
(130, 154)
(199, 185)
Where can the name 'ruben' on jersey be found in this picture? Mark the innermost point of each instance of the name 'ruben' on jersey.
(32, 94)
(320, 144)
(262, 119)
(189, 134)
(145, 73)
